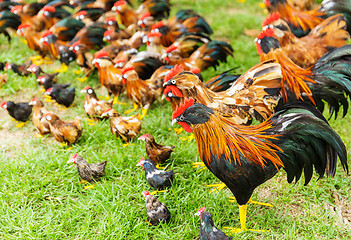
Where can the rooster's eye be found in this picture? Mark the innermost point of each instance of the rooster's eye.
(181, 118)
(173, 81)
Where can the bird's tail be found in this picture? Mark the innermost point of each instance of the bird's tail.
(210, 54)
(307, 142)
(222, 81)
(196, 24)
(332, 7)
(332, 73)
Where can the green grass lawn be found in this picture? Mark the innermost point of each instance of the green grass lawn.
(41, 196)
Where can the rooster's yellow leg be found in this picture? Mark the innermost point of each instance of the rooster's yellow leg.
(20, 125)
(39, 135)
(243, 228)
(144, 112)
(84, 181)
(159, 167)
(253, 202)
(217, 187)
(89, 187)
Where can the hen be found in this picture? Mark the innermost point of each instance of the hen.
(64, 132)
(296, 138)
(39, 110)
(94, 107)
(19, 111)
(123, 127)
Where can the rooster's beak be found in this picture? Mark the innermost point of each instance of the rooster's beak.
(174, 121)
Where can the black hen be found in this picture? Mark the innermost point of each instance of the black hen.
(297, 138)
(208, 230)
(158, 179)
(88, 171)
(156, 211)
(19, 111)
(62, 94)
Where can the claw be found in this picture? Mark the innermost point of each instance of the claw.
(157, 191)
(127, 144)
(129, 111)
(217, 187)
(82, 181)
(159, 167)
(63, 144)
(39, 135)
(20, 125)
(89, 187)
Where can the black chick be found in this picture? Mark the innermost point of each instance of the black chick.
(156, 211)
(19, 111)
(158, 179)
(88, 171)
(62, 94)
(208, 230)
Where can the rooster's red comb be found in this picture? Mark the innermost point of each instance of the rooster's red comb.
(271, 18)
(145, 15)
(127, 70)
(171, 48)
(112, 19)
(108, 110)
(16, 8)
(266, 33)
(76, 44)
(3, 104)
(23, 25)
(82, 13)
(34, 99)
(46, 33)
(86, 88)
(174, 71)
(145, 193)
(154, 34)
(108, 32)
(158, 25)
(118, 3)
(49, 9)
(182, 107)
(101, 54)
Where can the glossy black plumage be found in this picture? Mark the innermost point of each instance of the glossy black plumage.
(19, 111)
(302, 133)
(62, 94)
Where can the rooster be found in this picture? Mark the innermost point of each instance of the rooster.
(301, 22)
(94, 107)
(123, 127)
(327, 80)
(127, 15)
(19, 111)
(209, 54)
(32, 38)
(62, 94)
(109, 76)
(255, 94)
(156, 152)
(296, 138)
(39, 110)
(305, 51)
(64, 132)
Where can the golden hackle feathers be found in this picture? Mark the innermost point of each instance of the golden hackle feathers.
(294, 77)
(219, 136)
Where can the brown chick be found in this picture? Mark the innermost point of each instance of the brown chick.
(156, 152)
(88, 171)
(157, 212)
(39, 110)
(67, 132)
(93, 106)
(124, 127)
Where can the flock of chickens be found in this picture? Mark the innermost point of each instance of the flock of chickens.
(305, 64)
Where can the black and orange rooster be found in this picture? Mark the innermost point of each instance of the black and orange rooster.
(305, 51)
(296, 138)
(327, 80)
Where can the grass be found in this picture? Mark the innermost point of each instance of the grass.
(41, 197)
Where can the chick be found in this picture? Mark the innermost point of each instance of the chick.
(39, 110)
(88, 171)
(156, 211)
(207, 228)
(124, 127)
(156, 152)
(158, 179)
(66, 132)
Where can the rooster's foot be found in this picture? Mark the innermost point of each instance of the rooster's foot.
(82, 181)
(129, 111)
(20, 125)
(253, 202)
(217, 187)
(157, 191)
(89, 187)
(199, 165)
(159, 167)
